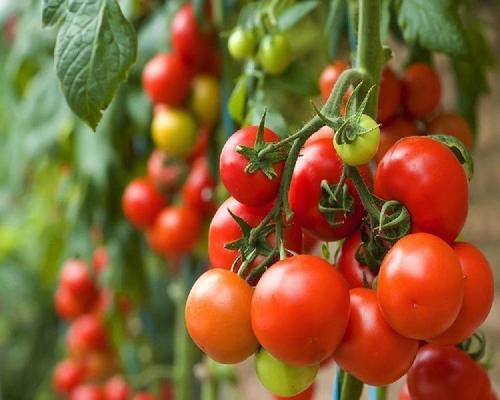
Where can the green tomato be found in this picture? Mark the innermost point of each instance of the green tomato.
(283, 379)
(364, 147)
(275, 53)
(241, 44)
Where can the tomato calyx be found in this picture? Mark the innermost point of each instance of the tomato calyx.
(335, 200)
(475, 347)
(459, 150)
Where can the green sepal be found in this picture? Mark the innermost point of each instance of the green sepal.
(460, 151)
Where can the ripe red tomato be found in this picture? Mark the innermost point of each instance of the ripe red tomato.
(144, 396)
(404, 394)
(453, 124)
(69, 306)
(354, 273)
(319, 161)
(478, 295)
(116, 388)
(370, 349)
(330, 75)
(218, 304)
(300, 309)
(421, 90)
(167, 174)
(444, 373)
(393, 131)
(88, 391)
(100, 259)
(166, 79)
(437, 197)
(198, 191)
(67, 375)
(176, 231)
(324, 132)
(420, 286)
(253, 189)
(305, 395)
(390, 95)
(76, 278)
(142, 202)
(86, 334)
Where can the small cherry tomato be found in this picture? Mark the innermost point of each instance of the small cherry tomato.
(198, 191)
(329, 77)
(100, 259)
(390, 95)
(204, 101)
(142, 202)
(116, 388)
(393, 131)
(75, 276)
(165, 172)
(421, 90)
(453, 124)
(241, 44)
(67, 375)
(87, 391)
(274, 54)
(354, 273)
(69, 306)
(98, 364)
(86, 334)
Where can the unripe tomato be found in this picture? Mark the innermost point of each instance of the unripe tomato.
(390, 95)
(198, 191)
(205, 101)
(453, 124)
(165, 172)
(283, 379)
(329, 77)
(166, 79)
(218, 316)
(116, 388)
(420, 286)
(67, 375)
(364, 147)
(142, 202)
(86, 334)
(275, 53)
(88, 391)
(241, 44)
(354, 273)
(421, 90)
(300, 309)
(305, 395)
(174, 131)
(393, 131)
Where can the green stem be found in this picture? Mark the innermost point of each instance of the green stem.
(365, 195)
(381, 392)
(351, 387)
(210, 389)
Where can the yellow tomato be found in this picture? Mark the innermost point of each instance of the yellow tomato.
(205, 100)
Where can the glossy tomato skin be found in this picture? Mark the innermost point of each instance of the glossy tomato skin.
(86, 334)
(218, 316)
(67, 375)
(370, 349)
(325, 132)
(166, 79)
(453, 124)
(305, 395)
(353, 272)
(300, 309)
(421, 90)
(478, 295)
(116, 388)
(390, 95)
(319, 161)
(330, 75)
(88, 391)
(391, 132)
(437, 197)
(420, 286)
(253, 189)
(142, 202)
(198, 191)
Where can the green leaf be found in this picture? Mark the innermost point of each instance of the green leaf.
(95, 48)
(434, 25)
(298, 79)
(237, 100)
(294, 14)
(52, 11)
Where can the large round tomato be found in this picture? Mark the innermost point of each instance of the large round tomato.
(67, 375)
(420, 286)
(218, 316)
(478, 295)
(300, 309)
(453, 124)
(390, 95)
(86, 334)
(75, 276)
(253, 189)
(305, 395)
(142, 202)
(319, 161)
(116, 388)
(204, 101)
(165, 172)
(88, 391)
(393, 131)
(354, 273)
(166, 79)
(421, 90)
(437, 197)
(199, 189)
(330, 75)
(370, 349)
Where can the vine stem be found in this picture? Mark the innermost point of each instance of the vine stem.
(351, 387)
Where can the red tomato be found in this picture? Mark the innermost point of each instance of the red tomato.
(167, 393)
(167, 174)
(478, 295)
(393, 131)
(67, 375)
(330, 75)
(300, 309)
(86, 334)
(144, 396)
(444, 373)
(76, 278)
(421, 90)
(404, 394)
(198, 191)
(305, 395)
(324, 132)
(437, 197)
(218, 304)
(390, 95)
(142, 202)
(253, 189)
(354, 273)
(99, 364)
(69, 306)
(176, 231)
(116, 388)
(166, 79)
(87, 391)
(319, 161)
(100, 259)
(420, 286)
(370, 349)
(453, 124)
(308, 243)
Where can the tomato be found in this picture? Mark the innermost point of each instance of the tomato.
(174, 131)
(204, 101)
(300, 309)
(142, 202)
(116, 389)
(370, 349)
(274, 54)
(321, 133)
(218, 316)
(420, 286)
(86, 334)
(176, 231)
(88, 391)
(445, 373)
(393, 131)
(478, 295)
(224, 229)
(453, 124)
(100, 259)
(309, 243)
(165, 172)
(404, 394)
(195, 44)
(99, 364)
(437, 198)
(319, 161)
(67, 375)
(144, 396)
(305, 395)
(253, 189)
(68, 305)
(330, 75)
(283, 379)
(75, 276)
(354, 273)
(198, 191)
(390, 95)
(364, 147)
(166, 391)
(241, 44)
(166, 79)
(421, 90)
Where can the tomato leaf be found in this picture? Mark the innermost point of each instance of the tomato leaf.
(459, 150)
(294, 14)
(95, 48)
(52, 11)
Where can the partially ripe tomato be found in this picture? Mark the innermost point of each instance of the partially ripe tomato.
(390, 95)
(330, 75)
(305, 395)
(218, 316)
(391, 132)
(88, 391)
(453, 124)
(355, 274)
(142, 202)
(198, 191)
(421, 90)
(165, 172)
(86, 334)
(116, 388)
(67, 375)
(300, 309)
(204, 100)
(274, 54)
(75, 276)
